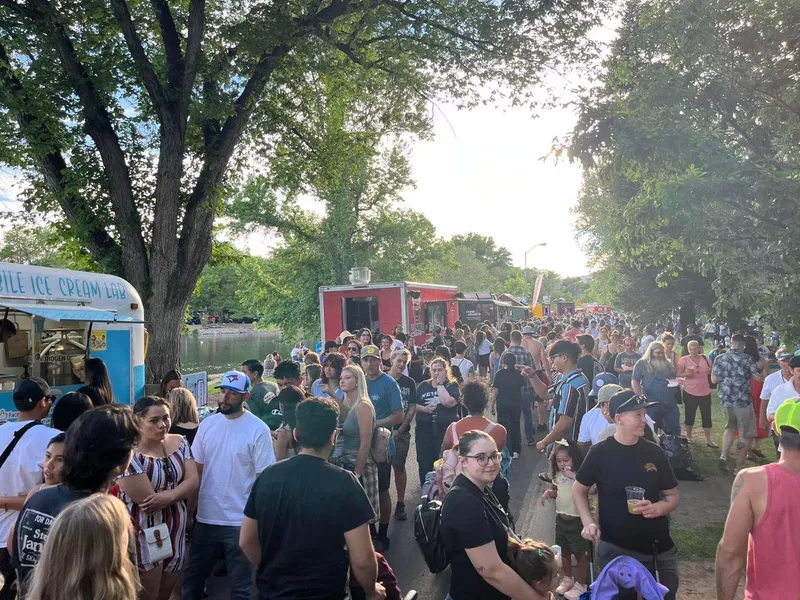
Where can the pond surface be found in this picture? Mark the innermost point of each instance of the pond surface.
(220, 353)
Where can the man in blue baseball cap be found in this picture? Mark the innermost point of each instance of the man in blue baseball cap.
(231, 449)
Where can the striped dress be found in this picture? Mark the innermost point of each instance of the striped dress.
(164, 474)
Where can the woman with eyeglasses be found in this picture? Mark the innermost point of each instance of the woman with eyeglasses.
(162, 475)
(475, 529)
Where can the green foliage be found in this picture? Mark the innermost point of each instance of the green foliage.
(690, 147)
(46, 247)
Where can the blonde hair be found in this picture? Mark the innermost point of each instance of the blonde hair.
(184, 406)
(86, 555)
(361, 383)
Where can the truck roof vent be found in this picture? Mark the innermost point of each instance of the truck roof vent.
(360, 275)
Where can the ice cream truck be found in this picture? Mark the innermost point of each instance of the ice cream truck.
(418, 307)
(53, 319)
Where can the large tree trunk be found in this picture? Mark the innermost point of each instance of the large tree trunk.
(165, 323)
(687, 314)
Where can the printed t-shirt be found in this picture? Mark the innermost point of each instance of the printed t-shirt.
(571, 398)
(33, 526)
(427, 395)
(263, 403)
(304, 505)
(233, 452)
(22, 470)
(613, 466)
(408, 391)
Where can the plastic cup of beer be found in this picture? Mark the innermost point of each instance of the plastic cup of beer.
(635, 496)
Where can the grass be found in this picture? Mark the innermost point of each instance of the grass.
(699, 543)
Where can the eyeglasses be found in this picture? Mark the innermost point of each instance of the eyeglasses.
(483, 459)
(557, 355)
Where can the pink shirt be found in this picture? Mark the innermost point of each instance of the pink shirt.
(774, 544)
(696, 384)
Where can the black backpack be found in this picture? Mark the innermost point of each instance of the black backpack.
(427, 518)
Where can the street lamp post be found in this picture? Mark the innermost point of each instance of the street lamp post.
(525, 259)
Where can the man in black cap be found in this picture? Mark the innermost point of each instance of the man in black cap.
(623, 467)
(21, 470)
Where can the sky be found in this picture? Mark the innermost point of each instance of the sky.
(483, 173)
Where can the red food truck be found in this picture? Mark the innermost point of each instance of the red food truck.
(418, 307)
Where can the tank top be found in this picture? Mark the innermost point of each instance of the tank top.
(772, 540)
(349, 440)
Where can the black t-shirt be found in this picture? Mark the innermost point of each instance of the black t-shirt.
(470, 519)
(33, 525)
(427, 394)
(185, 432)
(94, 395)
(304, 505)
(613, 466)
(508, 383)
(689, 338)
(408, 391)
(586, 365)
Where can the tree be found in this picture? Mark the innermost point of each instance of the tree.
(44, 246)
(132, 124)
(690, 151)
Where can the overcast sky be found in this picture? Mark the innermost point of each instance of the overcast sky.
(485, 175)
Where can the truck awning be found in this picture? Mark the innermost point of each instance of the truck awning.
(57, 312)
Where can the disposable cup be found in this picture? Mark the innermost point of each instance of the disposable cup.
(635, 496)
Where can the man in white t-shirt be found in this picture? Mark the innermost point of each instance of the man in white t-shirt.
(22, 469)
(787, 391)
(597, 419)
(464, 365)
(771, 383)
(230, 449)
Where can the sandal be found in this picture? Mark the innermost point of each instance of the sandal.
(712, 444)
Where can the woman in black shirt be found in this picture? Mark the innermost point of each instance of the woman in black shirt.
(475, 529)
(98, 384)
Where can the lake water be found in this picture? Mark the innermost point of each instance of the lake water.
(220, 353)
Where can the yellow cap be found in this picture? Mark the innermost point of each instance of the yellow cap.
(788, 415)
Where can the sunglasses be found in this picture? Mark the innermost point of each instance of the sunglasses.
(50, 398)
(354, 349)
(635, 399)
(483, 459)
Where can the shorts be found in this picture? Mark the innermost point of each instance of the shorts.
(483, 360)
(384, 476)
(743, 419)
(401, 445)
(568, 535)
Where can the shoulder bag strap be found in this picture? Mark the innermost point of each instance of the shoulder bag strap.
(455, 435)
(17, 437)
(489, 427)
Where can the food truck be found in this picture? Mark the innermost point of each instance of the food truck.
(476, 307)
(418, 307)
(62, 317)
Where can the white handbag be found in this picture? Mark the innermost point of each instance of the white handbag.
(159, 546)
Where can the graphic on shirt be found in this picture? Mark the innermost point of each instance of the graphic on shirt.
(650, 468)
(33, 529)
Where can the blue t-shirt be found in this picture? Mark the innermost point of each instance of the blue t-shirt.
(385, 396)
(316, 389)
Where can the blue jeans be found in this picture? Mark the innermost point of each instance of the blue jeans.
(527, 414)
(667, 416)
(210, 543)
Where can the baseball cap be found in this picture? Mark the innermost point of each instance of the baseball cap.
(783, 355)
(601, 380)
(794, 362)
(788, 415)
(608, 390)
(528, 330)
(29, 391)
(370, 350)
(626, 401)
(235, 381)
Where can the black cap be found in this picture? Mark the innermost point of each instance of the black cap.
(30, 391)
(626, 401)
(794, 362)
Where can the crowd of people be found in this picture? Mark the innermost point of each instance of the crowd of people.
(286, 487)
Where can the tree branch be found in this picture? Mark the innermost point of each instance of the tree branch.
(172, 43)
(97, 124)
(146, 71)
(197, 22)
(402, 8)
(52, 166)
(21, 10)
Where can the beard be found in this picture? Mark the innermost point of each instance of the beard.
(661, 366)
(230, 408)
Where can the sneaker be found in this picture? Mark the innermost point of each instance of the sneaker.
(400, 512)
(575, 592)
(723, 464)
(541, 427)
(531, 442)
(565, 586)
(515, 455)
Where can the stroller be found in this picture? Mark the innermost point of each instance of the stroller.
(624, 577)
